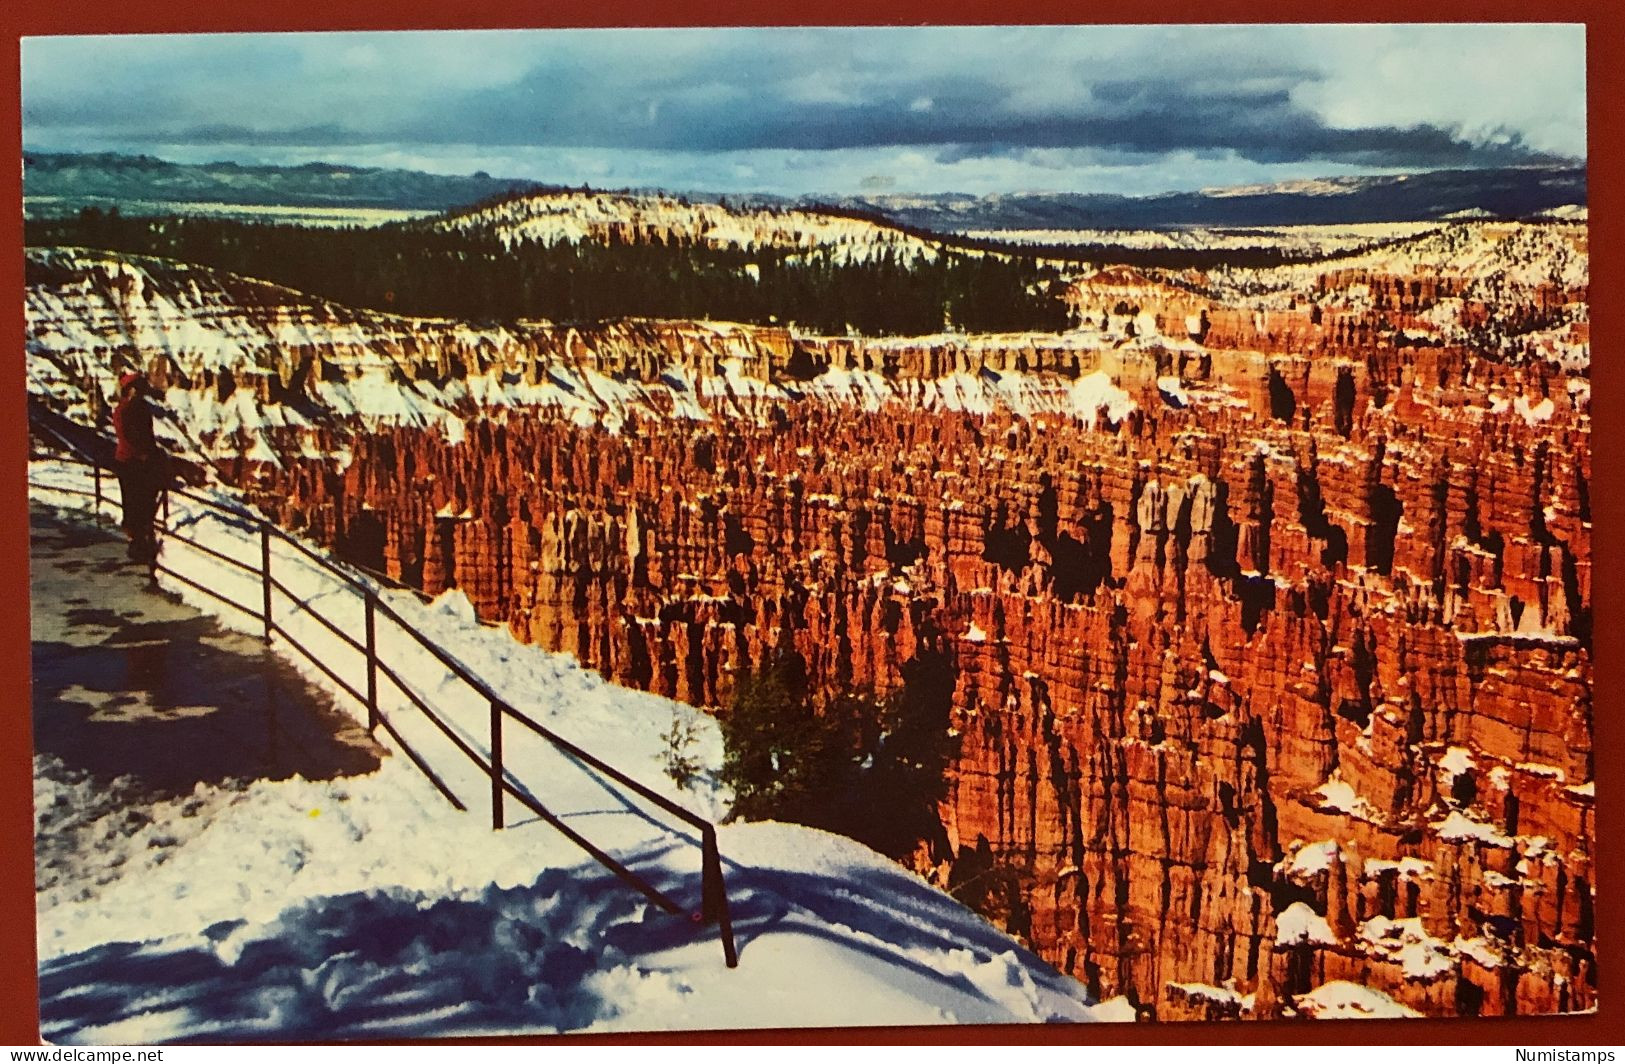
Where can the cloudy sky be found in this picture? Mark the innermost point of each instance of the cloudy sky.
(1134, 110)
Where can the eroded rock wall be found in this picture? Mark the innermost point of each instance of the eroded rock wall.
(1287, 685)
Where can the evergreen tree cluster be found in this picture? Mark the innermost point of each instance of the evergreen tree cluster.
(420, 271)
(870, 768)
(1096, 253)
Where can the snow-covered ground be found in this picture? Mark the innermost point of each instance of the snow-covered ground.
(367, 907)
(1499, 258)
(575, 217)
(1308, 240)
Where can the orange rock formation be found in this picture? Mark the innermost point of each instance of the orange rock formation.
(1287, 685)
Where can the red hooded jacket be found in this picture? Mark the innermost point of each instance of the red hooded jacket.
(132, 420)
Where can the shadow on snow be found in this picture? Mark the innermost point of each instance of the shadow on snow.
(531, 958)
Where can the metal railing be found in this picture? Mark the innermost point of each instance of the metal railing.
(714, 897)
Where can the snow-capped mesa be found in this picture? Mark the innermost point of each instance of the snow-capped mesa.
(576, 217)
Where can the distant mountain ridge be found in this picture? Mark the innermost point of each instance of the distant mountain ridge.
(59, 183)
(1519, 192)
(110, 178)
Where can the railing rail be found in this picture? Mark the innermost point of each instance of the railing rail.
(714, 897)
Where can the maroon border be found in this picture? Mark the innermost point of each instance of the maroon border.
(18, 986)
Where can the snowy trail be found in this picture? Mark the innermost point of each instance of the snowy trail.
(567, 950)
(366, 907)
(551, 688)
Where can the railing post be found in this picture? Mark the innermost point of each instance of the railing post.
(265, 575)
(98, 468)
(153, 527)
(714, 894)
(496, 765)
(372, 665)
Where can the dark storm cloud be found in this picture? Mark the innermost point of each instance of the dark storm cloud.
(967, 119)
(753, 104)
(1347, 95)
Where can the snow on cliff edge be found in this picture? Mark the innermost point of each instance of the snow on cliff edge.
(367, 907)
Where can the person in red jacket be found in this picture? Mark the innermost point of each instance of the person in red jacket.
(141, 464)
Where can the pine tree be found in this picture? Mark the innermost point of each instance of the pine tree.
(780, 757)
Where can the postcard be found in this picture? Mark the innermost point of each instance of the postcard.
(567, 531)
